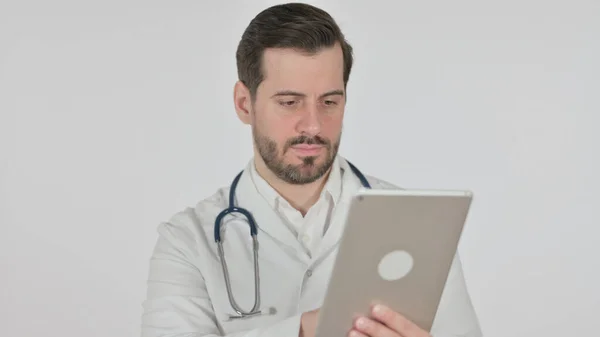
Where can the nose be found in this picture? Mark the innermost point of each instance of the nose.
(310, 121)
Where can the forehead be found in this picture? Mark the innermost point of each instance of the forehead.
(297, 70)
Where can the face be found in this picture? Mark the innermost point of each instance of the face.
(297, 114)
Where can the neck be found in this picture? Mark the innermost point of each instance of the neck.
(301, 197)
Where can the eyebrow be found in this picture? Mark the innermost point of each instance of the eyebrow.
(299, 94)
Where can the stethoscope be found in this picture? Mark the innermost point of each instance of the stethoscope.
(253, 233)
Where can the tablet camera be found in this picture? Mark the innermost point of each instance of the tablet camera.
(395, 265)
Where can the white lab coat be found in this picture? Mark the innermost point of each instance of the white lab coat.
(186, 291)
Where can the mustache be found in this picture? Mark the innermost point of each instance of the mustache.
(316, 140)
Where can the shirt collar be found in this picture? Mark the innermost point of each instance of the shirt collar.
(332, 188)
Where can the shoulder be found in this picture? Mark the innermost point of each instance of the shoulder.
(379, 183)
(375, 182)
(194, 224)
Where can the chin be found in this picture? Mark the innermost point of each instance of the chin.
(308, 160)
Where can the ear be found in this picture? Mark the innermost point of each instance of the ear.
(242, 102)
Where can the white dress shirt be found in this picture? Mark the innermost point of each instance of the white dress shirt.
(310, 228)
(186, 294)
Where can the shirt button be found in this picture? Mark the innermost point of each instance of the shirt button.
(309, 273)
(305, 238)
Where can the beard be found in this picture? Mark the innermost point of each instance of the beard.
(309, 170)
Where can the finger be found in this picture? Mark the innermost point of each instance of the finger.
(373, 328)
(356, 333)
(397, 322)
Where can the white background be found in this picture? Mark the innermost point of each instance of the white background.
(115, 115)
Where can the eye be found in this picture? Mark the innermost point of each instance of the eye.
(330, 103)
(287, 103)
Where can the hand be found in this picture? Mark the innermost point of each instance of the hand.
(385, 323)
(308, 323)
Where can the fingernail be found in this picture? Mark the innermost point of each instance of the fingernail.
(361, 323)
(379, 310)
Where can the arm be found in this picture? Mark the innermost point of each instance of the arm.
(177, 302)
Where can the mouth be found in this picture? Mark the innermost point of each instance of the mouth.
(307, 150)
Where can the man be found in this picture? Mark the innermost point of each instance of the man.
(293, 65)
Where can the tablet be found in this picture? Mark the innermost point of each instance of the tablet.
(396, 249)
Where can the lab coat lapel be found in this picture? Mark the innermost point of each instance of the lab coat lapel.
(267, 220)
(350, 185)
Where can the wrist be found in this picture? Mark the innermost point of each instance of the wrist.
(308, 323)
(302, 325)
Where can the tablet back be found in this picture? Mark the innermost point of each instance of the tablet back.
(397, 249)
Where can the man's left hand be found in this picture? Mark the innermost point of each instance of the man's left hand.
(385, 322)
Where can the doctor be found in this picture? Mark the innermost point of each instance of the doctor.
(293, 65)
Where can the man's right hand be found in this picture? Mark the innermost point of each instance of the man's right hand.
(308, 323)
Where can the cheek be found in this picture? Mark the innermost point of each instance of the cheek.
(279, 129)
(332, 125)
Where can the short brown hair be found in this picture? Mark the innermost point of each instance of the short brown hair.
(293, 25)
